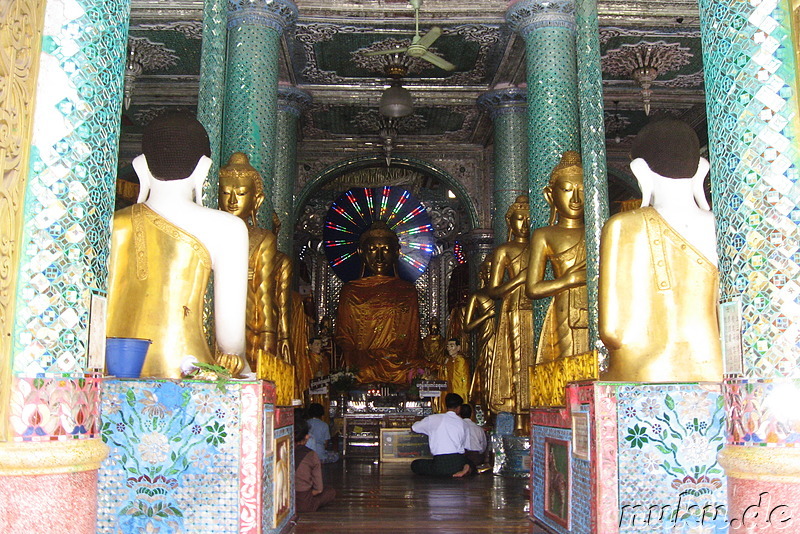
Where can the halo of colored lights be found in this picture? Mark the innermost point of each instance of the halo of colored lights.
(354, 211)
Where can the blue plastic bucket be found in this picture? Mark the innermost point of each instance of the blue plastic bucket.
(125, 356)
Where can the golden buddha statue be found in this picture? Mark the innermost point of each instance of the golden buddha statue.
(455, 324)
(320, 365)
(565, 331)
(480, 318)
(456, 369)
(163, 251)
(658, 277)
(298, 341)
(513, 353)
(377, 323)
(241, 193)
(283, 282)
(433, 343)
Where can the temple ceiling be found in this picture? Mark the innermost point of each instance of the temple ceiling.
(323, 54)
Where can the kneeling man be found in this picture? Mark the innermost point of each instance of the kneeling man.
(447, 437)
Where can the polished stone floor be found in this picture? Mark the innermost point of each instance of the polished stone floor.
(388, 498)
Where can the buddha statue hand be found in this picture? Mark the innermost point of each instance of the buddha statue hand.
(285, 351)
(234, 363)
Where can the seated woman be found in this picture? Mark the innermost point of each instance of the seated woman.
(309, 492)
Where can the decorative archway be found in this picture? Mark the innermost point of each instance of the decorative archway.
(363, 162)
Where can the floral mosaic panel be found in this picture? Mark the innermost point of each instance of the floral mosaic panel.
(669, 436)
(176, 449)
(44, 409)
(762, 412)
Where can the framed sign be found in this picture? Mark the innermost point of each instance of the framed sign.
(403, 445)
(581, 446)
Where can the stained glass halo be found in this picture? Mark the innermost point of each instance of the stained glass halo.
(354, 211)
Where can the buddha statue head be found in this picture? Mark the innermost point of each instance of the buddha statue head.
(379, 249)
(564, 192)
(518, 219)
(175, 146)
(241, 191)
(668, 149)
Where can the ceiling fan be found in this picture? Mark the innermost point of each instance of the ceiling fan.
(419, 44)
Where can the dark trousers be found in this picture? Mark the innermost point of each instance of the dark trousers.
(306, 502)
(474, 457)
(442, 465)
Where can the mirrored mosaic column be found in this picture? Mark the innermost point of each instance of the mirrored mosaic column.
(61, 99)
(752, 122)
(251, 88)
(211, 93)
(291, 102)
(548, 28)
(508, 109)
(593, 149)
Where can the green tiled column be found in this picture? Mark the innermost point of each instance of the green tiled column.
(251, 86)
(593, 145)
(291, 102)
(211, 94)
(509, 114)
(62, 66)
(751, 84)
(548, 28)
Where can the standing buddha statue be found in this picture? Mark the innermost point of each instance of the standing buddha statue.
(433, 343)
(563, 244)
(480, 318)
(513, 353)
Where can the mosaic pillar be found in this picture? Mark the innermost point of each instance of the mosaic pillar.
(752, 122)
(507, 108)
(593, 149)
(251, 88)
(60, 105)
(291, 102)
(477, 245)
(548, 28)
(211, 93)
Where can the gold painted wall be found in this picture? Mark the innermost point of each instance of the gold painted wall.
(21, 23)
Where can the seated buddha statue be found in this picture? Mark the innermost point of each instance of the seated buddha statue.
(241, 193)
(377, 322)
(164, 249)
(658, 281)
(562, 244)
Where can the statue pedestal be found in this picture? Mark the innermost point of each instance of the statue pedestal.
(629, 457)
(195, 456)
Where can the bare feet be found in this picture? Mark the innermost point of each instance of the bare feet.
(464, 471)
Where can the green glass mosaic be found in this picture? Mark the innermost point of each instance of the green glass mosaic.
(752, 107)
(69, 198)
(593, 145)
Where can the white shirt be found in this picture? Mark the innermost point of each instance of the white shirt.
(447, 433)
(476, 437)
